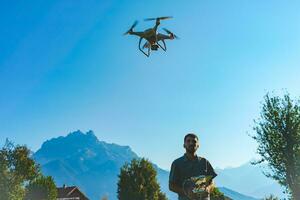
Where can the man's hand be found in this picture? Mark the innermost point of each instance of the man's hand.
(210, 187)
(191, 195)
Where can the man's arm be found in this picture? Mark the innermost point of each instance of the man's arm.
(175, 188)
(211, 172)
(174, 180)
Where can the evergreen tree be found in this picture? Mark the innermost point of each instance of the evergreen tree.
(137, 181)
(278, 137)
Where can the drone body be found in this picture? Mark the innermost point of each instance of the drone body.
(161, 37)
(151, 36)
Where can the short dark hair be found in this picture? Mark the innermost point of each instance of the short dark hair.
(191, 135)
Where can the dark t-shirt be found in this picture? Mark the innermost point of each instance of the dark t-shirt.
(183, 168)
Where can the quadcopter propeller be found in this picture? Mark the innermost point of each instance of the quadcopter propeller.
(169, 32)
(158, 18)
(131, 28)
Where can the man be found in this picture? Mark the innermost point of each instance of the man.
(187, 166)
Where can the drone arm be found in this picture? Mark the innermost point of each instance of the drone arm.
(139, 34)
(141, 48)
(156, 25)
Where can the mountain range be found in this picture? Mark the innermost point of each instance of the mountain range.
(81, 159)
(249, 179)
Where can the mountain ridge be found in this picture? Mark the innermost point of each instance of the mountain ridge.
(254, 182)
(81, 159)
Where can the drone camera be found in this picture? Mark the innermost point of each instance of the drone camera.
(154, 47)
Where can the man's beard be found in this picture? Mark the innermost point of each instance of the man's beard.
(191, 150)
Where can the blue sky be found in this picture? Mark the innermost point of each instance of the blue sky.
(65, 65)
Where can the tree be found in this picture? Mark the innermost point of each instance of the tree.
(16, 168)
(19, 171)
(216, 194)
(42, 188)
(271, 197)
(278, 137)
(137, 180)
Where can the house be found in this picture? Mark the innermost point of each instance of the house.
(70, 193)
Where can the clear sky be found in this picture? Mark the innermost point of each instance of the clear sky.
(65, 65)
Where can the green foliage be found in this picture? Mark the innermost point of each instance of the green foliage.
(278, 137)
(271, 197)
(137, 181)
(216, 194)
(42, 188)
(16, 168)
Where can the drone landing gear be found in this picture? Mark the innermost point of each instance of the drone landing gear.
(163, 47)
(146, 54)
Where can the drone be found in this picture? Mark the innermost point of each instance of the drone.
(151, 36)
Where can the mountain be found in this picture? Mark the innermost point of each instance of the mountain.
(248, 179)
(81, 159)
(235, 195)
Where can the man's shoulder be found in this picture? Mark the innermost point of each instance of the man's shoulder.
(179, 160)
(201, 158)
(183, 158)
